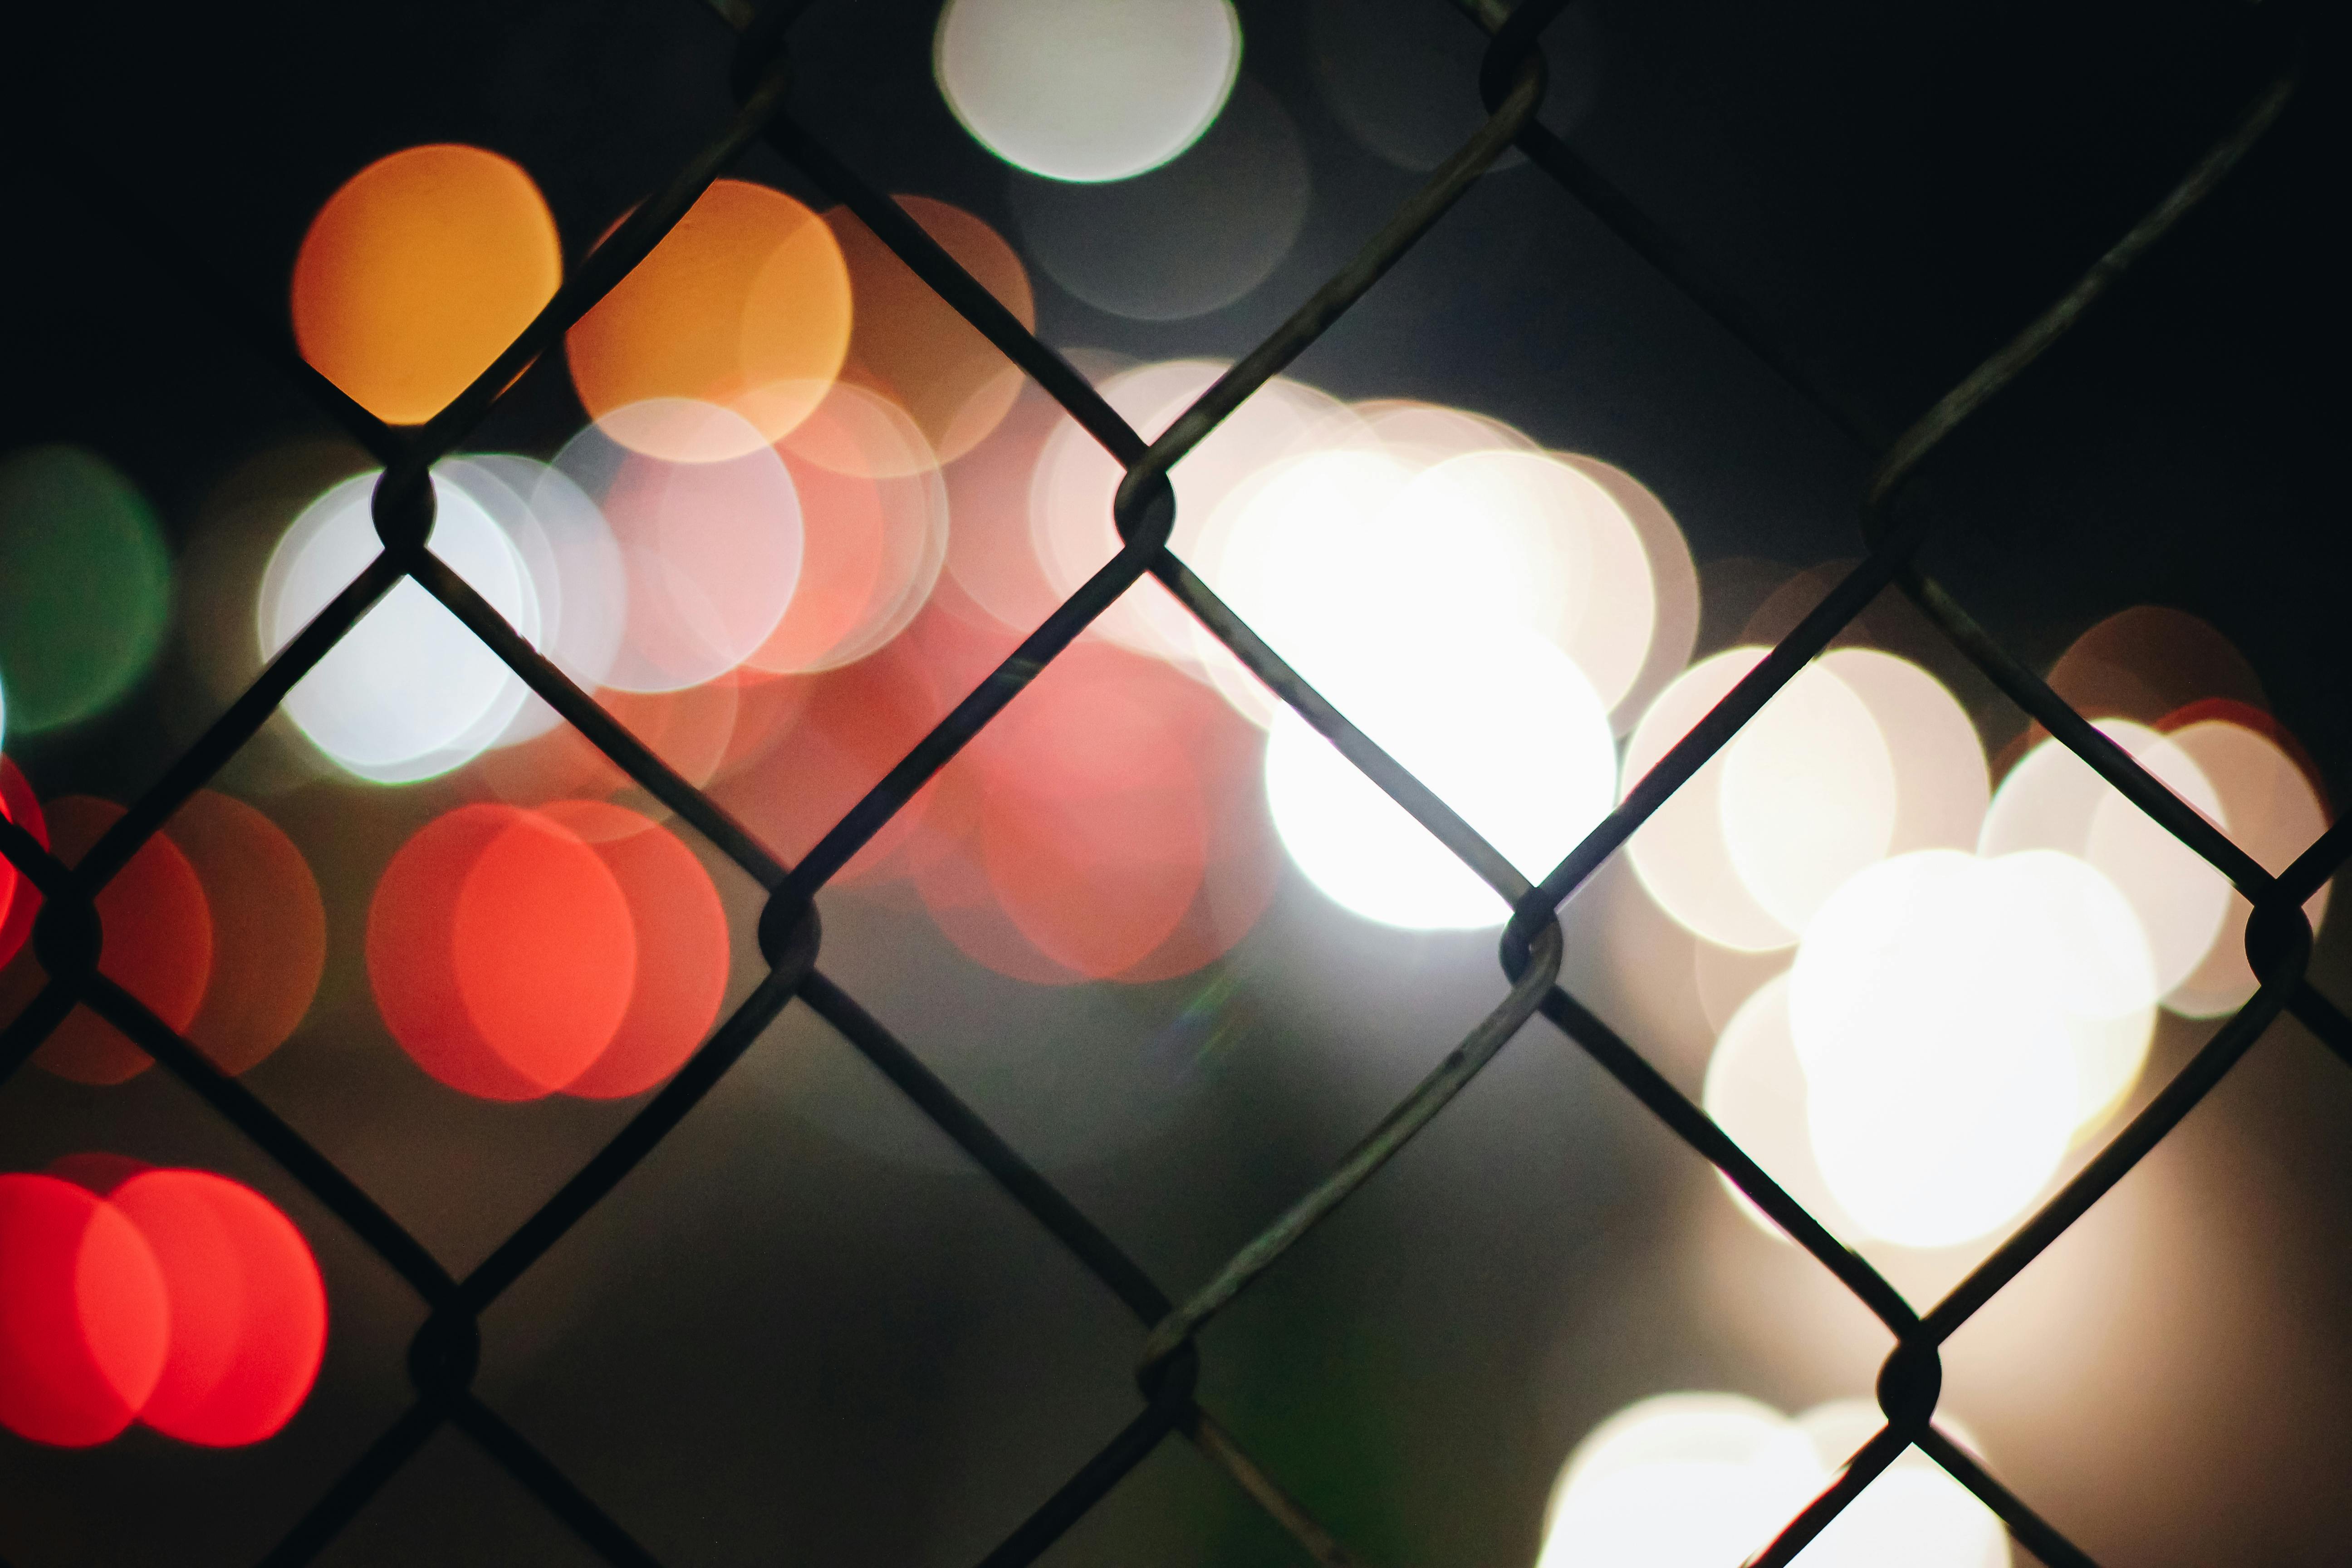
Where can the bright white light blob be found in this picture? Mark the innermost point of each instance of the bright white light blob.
(2273, 814)
(409, 692)
(1502, 726)
(1679, 1481)
(1745, 851)
(2053, 800)
(712, 550)
(574, 565)
(1526, 538)
(1756, 1092)
(1071, 492)
(1704, 1480)
(1958, 1019)
(1078, 90)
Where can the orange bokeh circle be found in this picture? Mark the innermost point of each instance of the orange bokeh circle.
(911, 346)
(744, 304)
(159, 946)
(419, 272)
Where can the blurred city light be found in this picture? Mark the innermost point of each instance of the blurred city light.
(1074, 91)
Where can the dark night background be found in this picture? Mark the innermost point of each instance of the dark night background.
(804, 1332)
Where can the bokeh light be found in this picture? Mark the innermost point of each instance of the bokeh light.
(849, 727)
(1861, 756)
(876, 514)
(745, 305)
(1941, 788)
(1679, 1481)
(1705, 1480)
(85, 1323)
(501, 952)
(85, 586)
(911, 346)
(2148, 660)
(1808, 795)
(1958, 1019)
(1914, 1514)
(711, 548)
(693, 729)
(158, 946)
(2053, 800)
(268, 929)
(409, 692)
(18, 901)
(1074, 91)
(578, 576)
(1537, 542)
(680, 973)
(1755, 1090)
(1070, 496)
(991, 558)
(418, 272)
(1813, 750)
(247, 1308)
(1674, 585)
(1503, 727)
(2274, 812)
(1195, 234)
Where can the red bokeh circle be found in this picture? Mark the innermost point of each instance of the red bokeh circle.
(248, 1310)
(85, 1322)
(680, 971)
(500, 952)
(159, 946)
(19, 903)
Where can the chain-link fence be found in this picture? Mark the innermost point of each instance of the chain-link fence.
(444, 1357)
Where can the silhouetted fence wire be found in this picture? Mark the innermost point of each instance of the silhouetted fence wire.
(445, 1353)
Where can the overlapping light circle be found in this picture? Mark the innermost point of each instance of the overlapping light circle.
(1861, 756)
(1957, 1019)
(711, 546)
(1502, 728)
(744, 305)
(575, 948)
(216, 925)
(409, 692)
(1704, 1480)
(178, 1299)
(2273, 813)
(2054, 800)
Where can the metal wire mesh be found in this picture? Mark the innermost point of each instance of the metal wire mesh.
(443, 1356)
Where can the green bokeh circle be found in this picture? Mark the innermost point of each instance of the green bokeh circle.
(85, 586)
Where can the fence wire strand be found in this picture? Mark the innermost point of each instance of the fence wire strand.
(445, 1355)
